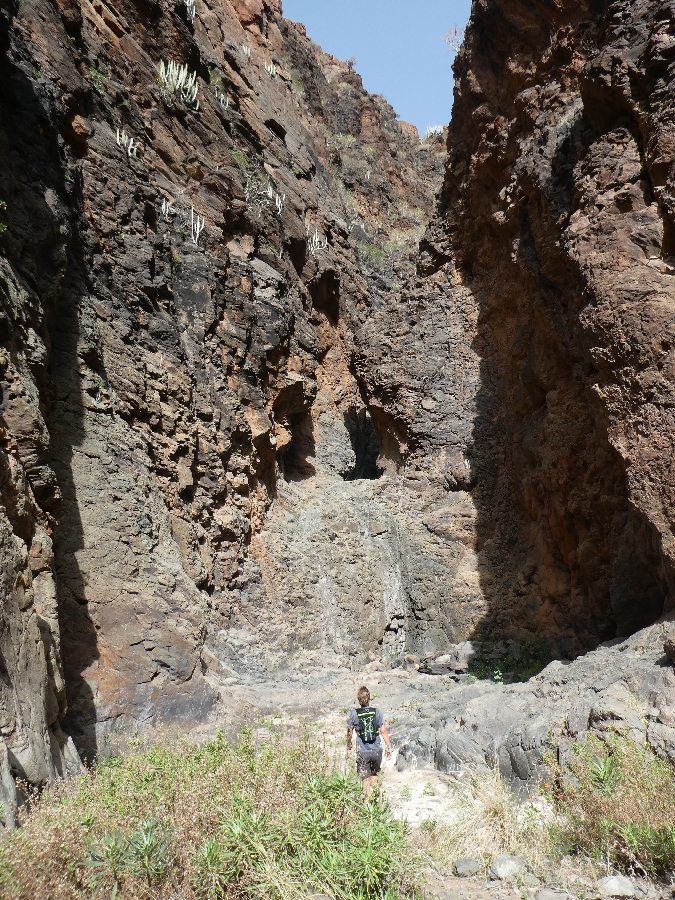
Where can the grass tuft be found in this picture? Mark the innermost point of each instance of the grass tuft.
(616, 803)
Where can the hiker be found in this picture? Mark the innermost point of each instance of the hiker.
(368, 723)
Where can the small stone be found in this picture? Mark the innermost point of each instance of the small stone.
(550, 894)
(466, 868)
(616, 886)
(506, 867)
(531, 881)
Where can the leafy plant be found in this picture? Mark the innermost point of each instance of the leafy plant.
(179, 83)
(176, 263)
(218, 820)
(617, 803)
(99, 78)
(149, 851)
(109, 861)
(240, 159)
(3, 206)
(212, 870)
(604, 774)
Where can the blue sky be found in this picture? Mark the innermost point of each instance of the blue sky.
(397, 45)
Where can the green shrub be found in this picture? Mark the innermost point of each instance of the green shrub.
(211, 822)
(99, 77)
(109, 862)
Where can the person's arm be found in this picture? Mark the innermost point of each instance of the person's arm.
(387, 739)
(350, 729)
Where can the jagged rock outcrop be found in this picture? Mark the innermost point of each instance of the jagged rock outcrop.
(624, 687)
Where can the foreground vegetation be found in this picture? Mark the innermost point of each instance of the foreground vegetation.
(612, 805)
(616, 803)
(207, 822)
(217, 821)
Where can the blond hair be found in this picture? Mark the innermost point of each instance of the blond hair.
(363, 695)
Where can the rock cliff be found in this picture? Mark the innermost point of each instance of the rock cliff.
(557, 220)
(558, 216)
(259, 415)
(202, 212)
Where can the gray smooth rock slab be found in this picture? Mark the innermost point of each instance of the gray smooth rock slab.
(466, 868)
(616, 886)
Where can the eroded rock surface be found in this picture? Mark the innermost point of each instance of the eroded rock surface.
(558, 218)
(185, 286)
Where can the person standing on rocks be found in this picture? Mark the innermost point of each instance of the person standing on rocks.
(368, 723)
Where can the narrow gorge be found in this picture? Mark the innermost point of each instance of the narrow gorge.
(289, 394)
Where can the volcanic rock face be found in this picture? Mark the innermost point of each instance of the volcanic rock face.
(195, 477)
(557, 214)
(246, 426)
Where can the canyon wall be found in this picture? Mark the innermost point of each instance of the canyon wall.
(557, 215)
(259, 415)
(199, 479)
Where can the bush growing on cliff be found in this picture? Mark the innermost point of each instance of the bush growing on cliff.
(208, 822)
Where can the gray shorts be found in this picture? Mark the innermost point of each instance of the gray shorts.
(368, 761)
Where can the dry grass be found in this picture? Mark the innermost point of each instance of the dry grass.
(486, 821)
(612, 805)
(270, 821)
(616, 804)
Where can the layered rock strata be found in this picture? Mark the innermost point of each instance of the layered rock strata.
(557, 221)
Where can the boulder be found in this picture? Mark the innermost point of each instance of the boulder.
(507, 867)
(669, 644)
(466, 868)
(616, 886)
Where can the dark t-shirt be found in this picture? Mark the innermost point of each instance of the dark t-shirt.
(353, 722)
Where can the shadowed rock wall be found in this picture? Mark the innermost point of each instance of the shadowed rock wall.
(557, 218)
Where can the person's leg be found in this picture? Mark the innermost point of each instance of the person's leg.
(363, 771)
(376, 769)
